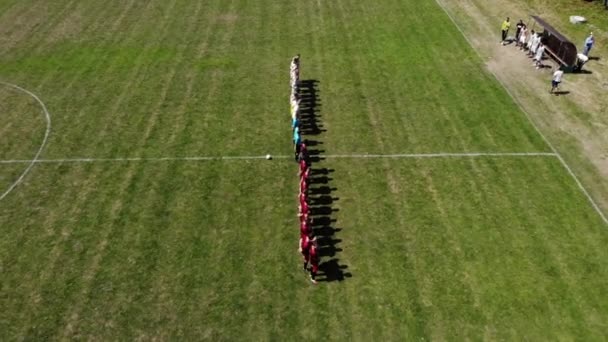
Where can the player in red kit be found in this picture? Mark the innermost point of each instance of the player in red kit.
(305, 175)
(303, 186)
(313, 259)
(304, 209)
(304, 247)
(303, 167)
(305, 226)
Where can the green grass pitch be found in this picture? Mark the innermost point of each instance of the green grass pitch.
(496, 248)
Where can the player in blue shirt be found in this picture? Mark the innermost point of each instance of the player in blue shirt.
(297, 141)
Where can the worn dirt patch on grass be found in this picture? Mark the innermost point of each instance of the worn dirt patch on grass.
(228, 18)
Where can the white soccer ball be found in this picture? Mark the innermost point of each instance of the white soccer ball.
(268, 157)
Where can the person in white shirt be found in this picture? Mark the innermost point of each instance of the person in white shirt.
(538, 58)
(523, 35)
(294, 98)
(556, 80)
(295, 62)
(294, 85)
(535, 45)
(531, 42)
(295, 110)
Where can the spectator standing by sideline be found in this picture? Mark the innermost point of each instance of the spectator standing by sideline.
(588, 44)
(519, 27)
(535, 45)
(505, 30)
(523, 35)
(538, 58)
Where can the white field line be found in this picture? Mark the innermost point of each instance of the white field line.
(442, 155)
(137, 159)
(42, 145)
(330, 156)
(561, 159)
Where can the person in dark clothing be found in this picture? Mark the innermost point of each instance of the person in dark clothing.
(304, 154)
(519, 27)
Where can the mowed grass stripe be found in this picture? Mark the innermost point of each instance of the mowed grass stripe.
(43, 67)
(137, 109)
(430, 71)
(104, 125)
(223, 31)
(536, 250)
(281, 310)
(194, 16)
(192, 81)
(8, 175)
(372, 241)
(225, 247)
(31, 243)
(53, 258)
(144, 240)
(150, 125)
(57, 253)
(74, 316)
(79, 62)
(84, 195)
(495, 238)
(45, 79)
(20, 113)
(22, 117)
(229, 56)
(116, 113)
(437, 247)
(23, 28)
(377, 119)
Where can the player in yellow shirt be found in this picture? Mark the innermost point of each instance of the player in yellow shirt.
(506, 25)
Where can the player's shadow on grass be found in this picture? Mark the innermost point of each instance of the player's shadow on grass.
(324, 228)
(320, 180)
(333, 271)
(321, 190)
(310, 104)
(310, 118)
(561, 92)
(320, 193)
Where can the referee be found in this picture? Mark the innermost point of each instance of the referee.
(506, 25)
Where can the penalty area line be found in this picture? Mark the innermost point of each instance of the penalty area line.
(329, 156)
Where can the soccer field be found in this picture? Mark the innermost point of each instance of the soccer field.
(442, 212)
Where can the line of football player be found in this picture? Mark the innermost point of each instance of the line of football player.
(307, 244)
